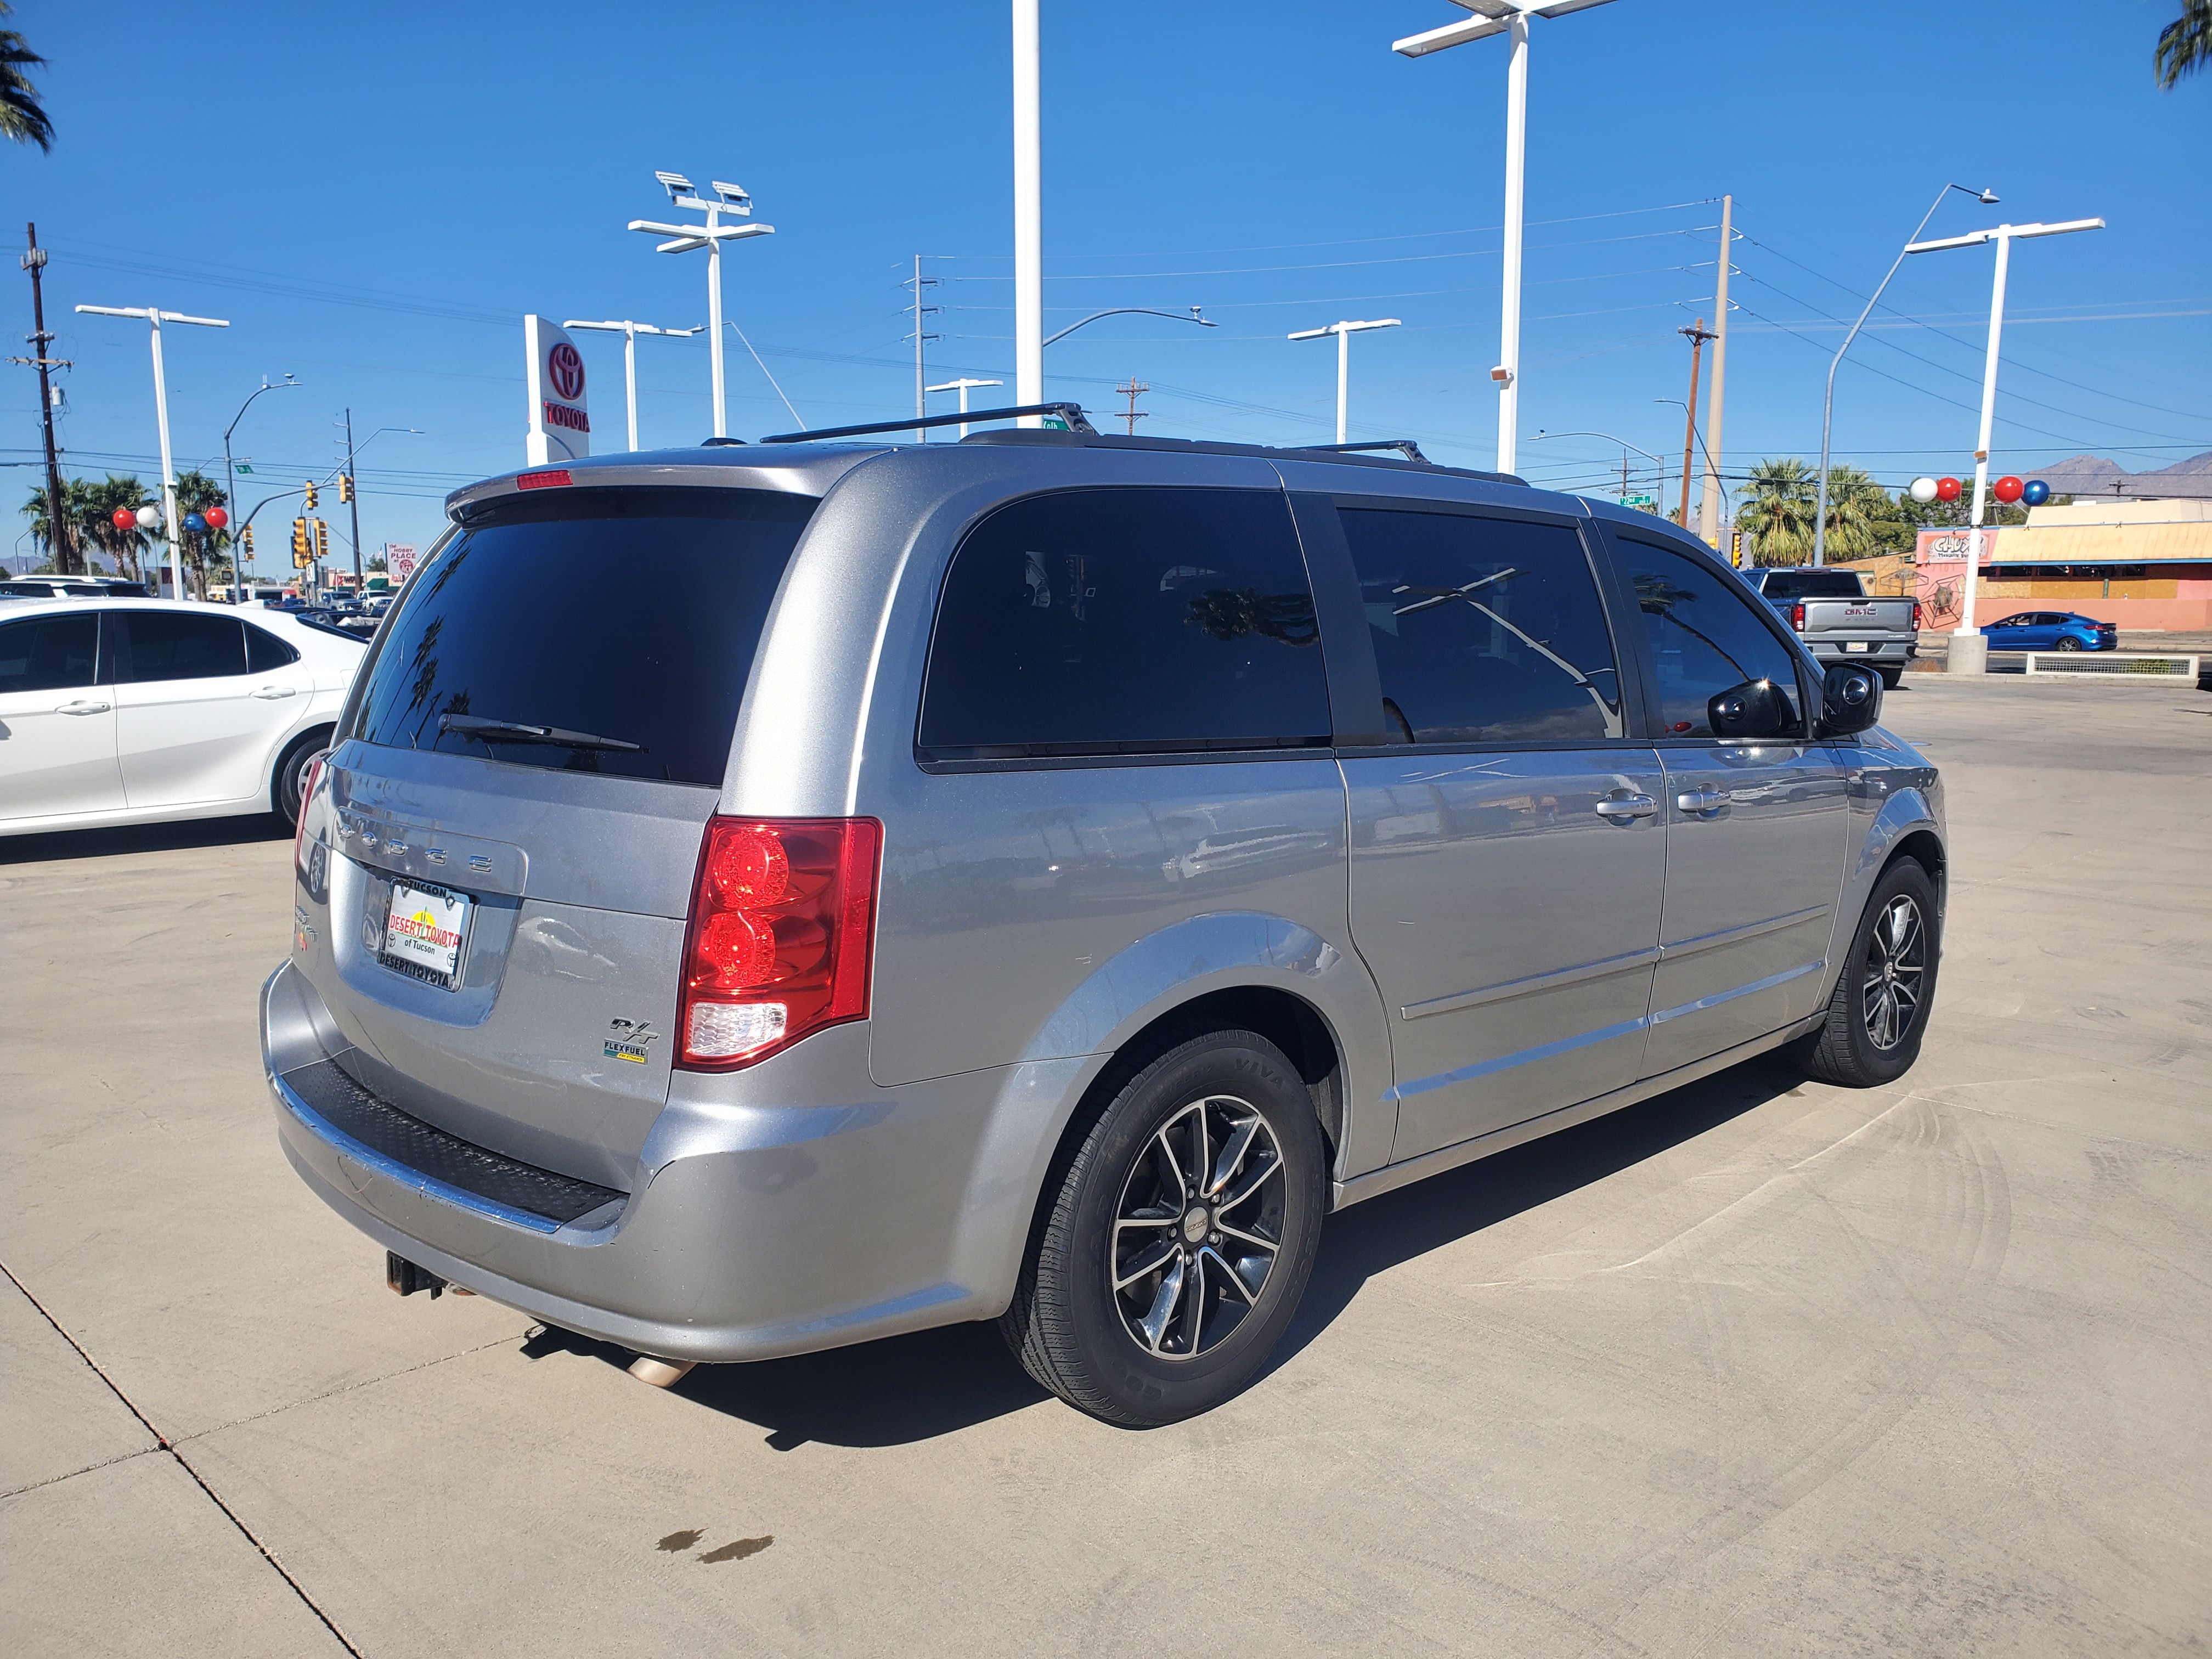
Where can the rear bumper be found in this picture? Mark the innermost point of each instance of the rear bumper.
(1877, 650)
(776, 1210)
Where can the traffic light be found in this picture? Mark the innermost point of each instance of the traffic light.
(299, 544)
(322, 542)
(345, 488)
(310, 503)
(246, 540)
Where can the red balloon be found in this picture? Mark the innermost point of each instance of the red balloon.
(123, 518)
(1947, 490)
(216, 518)
(2009, 488)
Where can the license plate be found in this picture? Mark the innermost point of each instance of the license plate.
(1855, 645)
(425, 932)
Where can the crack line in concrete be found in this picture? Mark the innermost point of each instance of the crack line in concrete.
(162, 1442)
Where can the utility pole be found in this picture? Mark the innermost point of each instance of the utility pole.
(1134, 390)
(920, 378)
(59, 535)
(1699, 335)
(1029, 213)
(1709, 504)
(353, 500)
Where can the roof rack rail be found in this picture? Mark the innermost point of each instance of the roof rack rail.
(1405, 447)
(1077, 421)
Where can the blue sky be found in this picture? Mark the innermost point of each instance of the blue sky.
(375, 203)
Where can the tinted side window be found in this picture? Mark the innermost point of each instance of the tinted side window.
(265, 651)
(48, 654)
(1121, 620)
(1706, 638)
(1485, 630)
(172, 644)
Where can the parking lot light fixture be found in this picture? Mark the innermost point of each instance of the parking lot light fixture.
(684, 238)
(1988, 198)
(963, 386)
(1344, 332)
(230, 482)
(1508, 18)
(2003, 236)
(629, 331)
(155, 318)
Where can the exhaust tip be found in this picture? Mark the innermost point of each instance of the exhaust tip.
(660, 1373)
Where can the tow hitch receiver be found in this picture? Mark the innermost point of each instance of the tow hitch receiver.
(405, 1277)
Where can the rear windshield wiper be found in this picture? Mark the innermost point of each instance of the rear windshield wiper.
(474, 726)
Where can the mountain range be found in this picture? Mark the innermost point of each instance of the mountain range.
(2082, 475)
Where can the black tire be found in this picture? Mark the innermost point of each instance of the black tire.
(1870, 1037)
(2068, 642)
(1085, 1340)
(289, 780)
(1890, 677)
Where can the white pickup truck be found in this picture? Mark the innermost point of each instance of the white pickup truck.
(1832, 614)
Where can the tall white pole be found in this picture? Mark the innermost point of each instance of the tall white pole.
(630, 377)
(1516, 135)
(168, 468)
(1989, 413)
(1028, 215)
(1709, 502)
(715, 318)
(1343, 374)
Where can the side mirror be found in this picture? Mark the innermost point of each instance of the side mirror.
(1850, 700)
(1756, 709)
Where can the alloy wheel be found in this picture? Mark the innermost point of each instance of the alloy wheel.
(1896, 970)
(1198, 1228)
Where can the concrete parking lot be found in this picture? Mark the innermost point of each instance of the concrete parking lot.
(1760, 1367)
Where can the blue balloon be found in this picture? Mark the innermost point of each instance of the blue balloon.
(2036, 493)
(195, 523)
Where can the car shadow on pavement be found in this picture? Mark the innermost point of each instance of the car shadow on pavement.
(241, 830)
(908, 1389)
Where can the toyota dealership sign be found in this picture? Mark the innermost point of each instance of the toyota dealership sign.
(560, 421)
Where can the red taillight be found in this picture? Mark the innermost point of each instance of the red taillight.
(1797, 617)
(1916, 616)
(783, 914)
(552, 479)
(306, 795)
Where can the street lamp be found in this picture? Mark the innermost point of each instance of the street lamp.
(1344, 332)
(629, 331)
(1542, 436)
(1123, 310)
(1987, 197)
(1712, 472)
(1502, 17)
(727, 198)
(961, 386)
(1028, 215)
(155, 317)
(230, 475)
(1963, 658)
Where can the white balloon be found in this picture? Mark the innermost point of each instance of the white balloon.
(1923, 489)
(149, 518)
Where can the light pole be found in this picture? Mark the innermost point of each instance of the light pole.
(1121, 311)
(230, 479)
(1028, 215)
(961, 386)
(1344, 332)
(155, 317)
(1965, 658)
(1542, 437)
(1713, 467)
(727, 198)
(629, 331)
(1828, 404)
(1502, 17)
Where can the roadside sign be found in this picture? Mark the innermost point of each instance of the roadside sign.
(560, 426)
(1644, 501)
(399, 561)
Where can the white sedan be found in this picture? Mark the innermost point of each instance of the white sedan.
(130, 711)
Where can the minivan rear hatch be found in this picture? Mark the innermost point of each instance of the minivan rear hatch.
(518, 790)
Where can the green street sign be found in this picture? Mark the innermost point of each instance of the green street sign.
(244, 466)
(1637, 501)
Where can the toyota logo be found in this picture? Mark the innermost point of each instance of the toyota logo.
(567, 368)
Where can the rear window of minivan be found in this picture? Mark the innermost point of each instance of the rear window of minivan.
(606, 630)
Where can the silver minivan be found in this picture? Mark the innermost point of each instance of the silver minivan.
(1038, 878)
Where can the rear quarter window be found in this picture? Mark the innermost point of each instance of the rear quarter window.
(521, 620)
(1125, 622)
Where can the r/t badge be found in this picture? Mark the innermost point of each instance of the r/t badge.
(627, 1039)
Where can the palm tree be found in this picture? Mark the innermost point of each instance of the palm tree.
(1857, 508)
(2185, 45)
(36, 510)
(23, 118)
(96, 504)
(196, 493)
(1777, 508)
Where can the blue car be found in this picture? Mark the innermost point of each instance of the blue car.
(2051, 630)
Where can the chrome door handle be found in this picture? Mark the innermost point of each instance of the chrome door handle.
(82, 707)
(1703, 802)
(1620, 808)
(270, 693)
